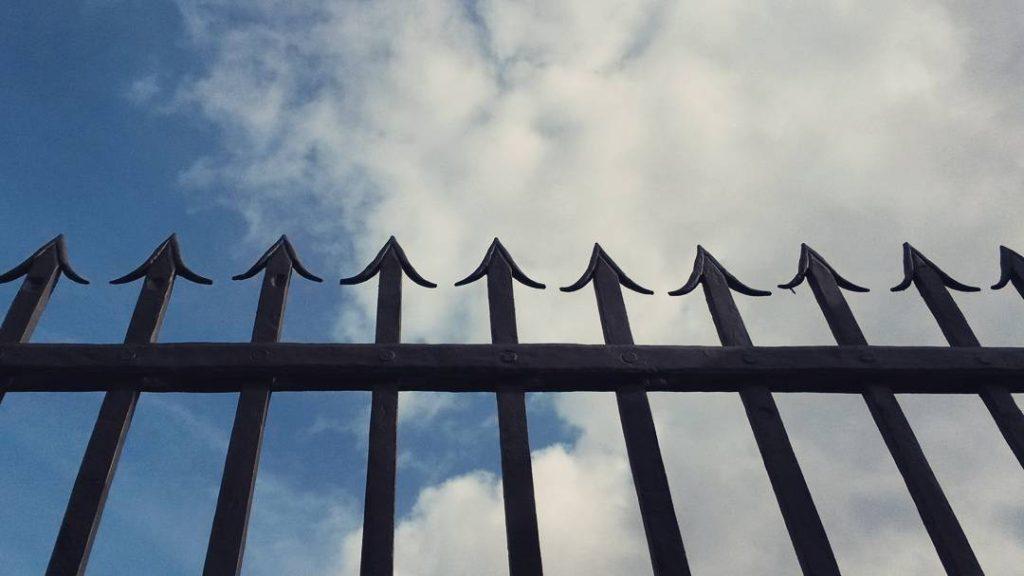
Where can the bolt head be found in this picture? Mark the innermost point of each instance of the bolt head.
(629, 357)
(386, 355)
(509, 357)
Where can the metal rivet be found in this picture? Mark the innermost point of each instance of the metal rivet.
(749, 358)
(629, 357)
(509, 357)
(386, 355)
(127, 355)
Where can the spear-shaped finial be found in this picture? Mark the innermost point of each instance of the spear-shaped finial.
(597, 257)
(231, 517)
(88, 496)
(498, 251)
(41, 270)
(702, 264)
(516, 469)
(390, 247)
(281, 246)
(1011, 265)
(168, 251)
(378, 546)
(914, 262)
(58, 249)
(808, 256)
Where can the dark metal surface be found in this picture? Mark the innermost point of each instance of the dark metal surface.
(484, 367)
(231, 518)
(933, 285)
(85, 506)
(664, 540)
(378, 547)
(523, 538)
(41, 271)
(810, 541)
(943, 527)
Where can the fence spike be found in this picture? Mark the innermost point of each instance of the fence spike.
(934, 285)
(171, 248)
(282, 244)
(1011, 268)
(808, 255)
(913, 260)
(58, 246)
(497, 249)
(390, 247)
(664, 540)
(524, 557)
(938, 517)
(596, 258)
(377, 556)
(42, 271)
(705, 261)
(226, 546)
(85, 506)
(806, 531)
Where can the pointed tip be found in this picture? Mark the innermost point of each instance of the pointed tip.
(703, 260)
(913, 260)
(63, 264)
(1011, 265)
(497, 249)
(808, 255)
(282, 244)
(170, 247)
(391, 246)
(597, 257)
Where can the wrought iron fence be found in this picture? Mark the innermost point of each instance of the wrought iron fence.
(510, 370)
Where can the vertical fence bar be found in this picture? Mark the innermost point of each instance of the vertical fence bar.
(809, 539)
(41, 271)
(943, 527)
(932, 283)
(85, 506)
(664, 540)
(521, 531)
(378, 546)
(231, 518)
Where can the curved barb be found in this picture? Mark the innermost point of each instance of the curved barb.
(180, 269)
(700, 263)
(373, 267)
(912, 259)
(497, 249)
(807, 254)
(1010, 266)
(62, 262)
(281, 244)
(598, 256)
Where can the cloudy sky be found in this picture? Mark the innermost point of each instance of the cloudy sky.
(650, 126)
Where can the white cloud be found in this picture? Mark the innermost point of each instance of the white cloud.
(650, 126)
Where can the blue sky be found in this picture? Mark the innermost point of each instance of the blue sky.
(649, 126)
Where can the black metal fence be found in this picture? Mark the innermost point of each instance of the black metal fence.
(510, 370)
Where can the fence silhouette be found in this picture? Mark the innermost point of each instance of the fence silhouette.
(510, 370)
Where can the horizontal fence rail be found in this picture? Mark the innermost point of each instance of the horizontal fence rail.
(257, 369)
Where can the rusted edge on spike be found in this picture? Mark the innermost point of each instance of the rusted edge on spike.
(806, 255)
(1010, 264)
(374, 266)
(912, 258)
(62, 262)
(180, 269)
(284, 244)
(703, 259)
(596, 257)
(498, 249)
